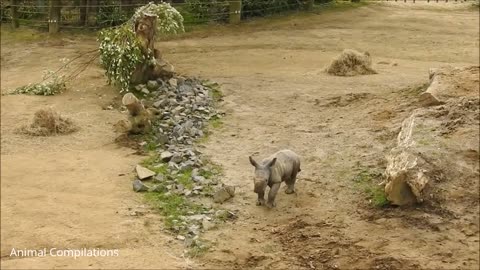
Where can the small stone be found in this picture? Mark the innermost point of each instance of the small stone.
(143, 173)
(159, 104)
(152, 85)
(177, 158)
(187, 192)
(139, 87)
(156, 188)
(178, 110)
(207, 225)
(224, 193)
(198, 178)
(139, 186)
(187, 165)
(173, 82)
(145, 91)
(166, 156)
(194, 229)
(159, 178)
(198, 217)
(181, 237)
(197, 187)
(225, 214)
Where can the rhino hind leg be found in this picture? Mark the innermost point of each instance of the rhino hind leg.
(291, 183)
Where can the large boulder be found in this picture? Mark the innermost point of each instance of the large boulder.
(449, 82)
(436, 157)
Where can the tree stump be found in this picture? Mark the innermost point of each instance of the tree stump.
(139, 116)
(145, 31)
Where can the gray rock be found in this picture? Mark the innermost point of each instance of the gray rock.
(166, 156)
(187, 165)
(173, 82)
(139, 186)
(223, 193)
(181, 237)
(178, 110)
(187, 192)
(156, 188)
(198, 178)
(185, 88)
(177, 158)
(207, 225)
(225, 214)
(152, 85)
(180, 188)
(139, 87)
(194, 229)
(145, 91)
(143, 173)
(160, 103)
(159, 178)
(162, 139)
(197, 217)
(197, 187)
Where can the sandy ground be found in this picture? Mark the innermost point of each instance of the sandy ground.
(74, 191)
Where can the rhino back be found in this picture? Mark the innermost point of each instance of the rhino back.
(287, 161)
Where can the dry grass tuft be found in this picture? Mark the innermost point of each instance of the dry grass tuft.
(351, 63)
(47, 122)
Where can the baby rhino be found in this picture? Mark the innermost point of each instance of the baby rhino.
(272, 171)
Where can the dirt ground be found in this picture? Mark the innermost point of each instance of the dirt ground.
(74, 191)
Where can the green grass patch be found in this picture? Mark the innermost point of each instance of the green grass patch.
(153, 163)
(366, 181)
(172, 206)
(185, 178)
(199, 248)
(215, 122)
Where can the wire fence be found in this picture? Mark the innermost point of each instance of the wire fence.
(96, 14)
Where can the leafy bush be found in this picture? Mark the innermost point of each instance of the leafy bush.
(169, 20)
(110, 14)
(203, 11)
(120, 53)
(253, 8)
(52, 84)
(120, 50)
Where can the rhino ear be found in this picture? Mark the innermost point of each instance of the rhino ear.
(253, 162)
(272, 162)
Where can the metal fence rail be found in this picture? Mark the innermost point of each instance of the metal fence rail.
(96, 14)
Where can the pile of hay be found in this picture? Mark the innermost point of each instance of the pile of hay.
(351, 63)
(47, 123)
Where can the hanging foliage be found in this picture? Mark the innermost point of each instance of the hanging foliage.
(122, 52)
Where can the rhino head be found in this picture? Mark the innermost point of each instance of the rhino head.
(261, 175)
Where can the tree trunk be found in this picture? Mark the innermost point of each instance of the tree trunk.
(145, 31)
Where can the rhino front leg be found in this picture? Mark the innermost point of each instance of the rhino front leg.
(261, 198)
(272, 194)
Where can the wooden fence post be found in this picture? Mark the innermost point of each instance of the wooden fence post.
(55, 14)
(15, 23)
(309, 4)
(83, 12)
(235, 11)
